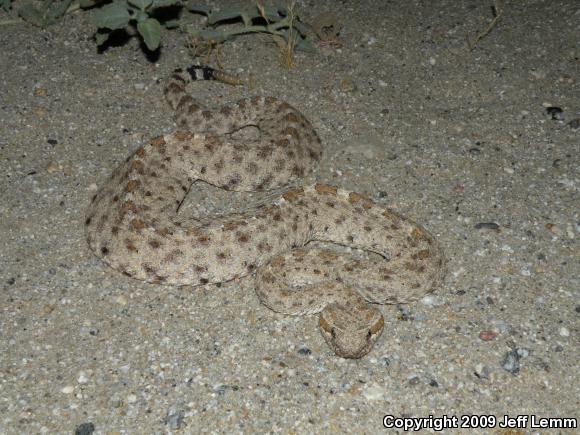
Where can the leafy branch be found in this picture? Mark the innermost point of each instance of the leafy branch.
(277, 19)
(121, 13)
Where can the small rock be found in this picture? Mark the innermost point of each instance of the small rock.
(52, 167)
(374, 392)
(121, 300)
(522, 352)
(564, 332)
(431, 300)
(404, 314)
(221, 389)
(85, 429)
(68, 389)
(303, 350)
(486, 226)
(499, 326)
(413, 380)
(347, 85)
(82, 379)
(555, 112)
(482, 371)
(511, 362)
(487, 335)
(384, 361)
(574, 124)
(174, 417)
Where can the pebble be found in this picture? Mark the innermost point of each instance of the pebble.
(488, 335)
(384, 361)
(555, 112)
(68, 389)
(221, 389)
(500, 326)
(482, 371)
(121, 300)
(85, 429)
(374, 392)
(432, 301)
(82, 379)
(303, 350)
(347, 85)
(52, 168)
(511, 362)
(413, 379)
(486, 226)
(174, 417)
(564, 332)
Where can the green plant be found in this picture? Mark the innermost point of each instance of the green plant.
(278, 20)
(47, 12)
(5, 4)
(121, 13)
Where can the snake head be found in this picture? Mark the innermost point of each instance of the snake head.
(351, 328)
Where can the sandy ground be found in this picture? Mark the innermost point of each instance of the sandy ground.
(449, 137)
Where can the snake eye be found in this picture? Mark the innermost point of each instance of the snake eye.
(333, 332)
(369, 334)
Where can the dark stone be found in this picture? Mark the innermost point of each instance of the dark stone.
(85, 429)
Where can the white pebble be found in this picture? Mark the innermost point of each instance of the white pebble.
(67, 390)
(82, 379)
(570, 231)
(374, 392)
(121, 300)
(564, 332)
(431, 300)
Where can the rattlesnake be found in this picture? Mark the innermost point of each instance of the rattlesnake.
(133, 222)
